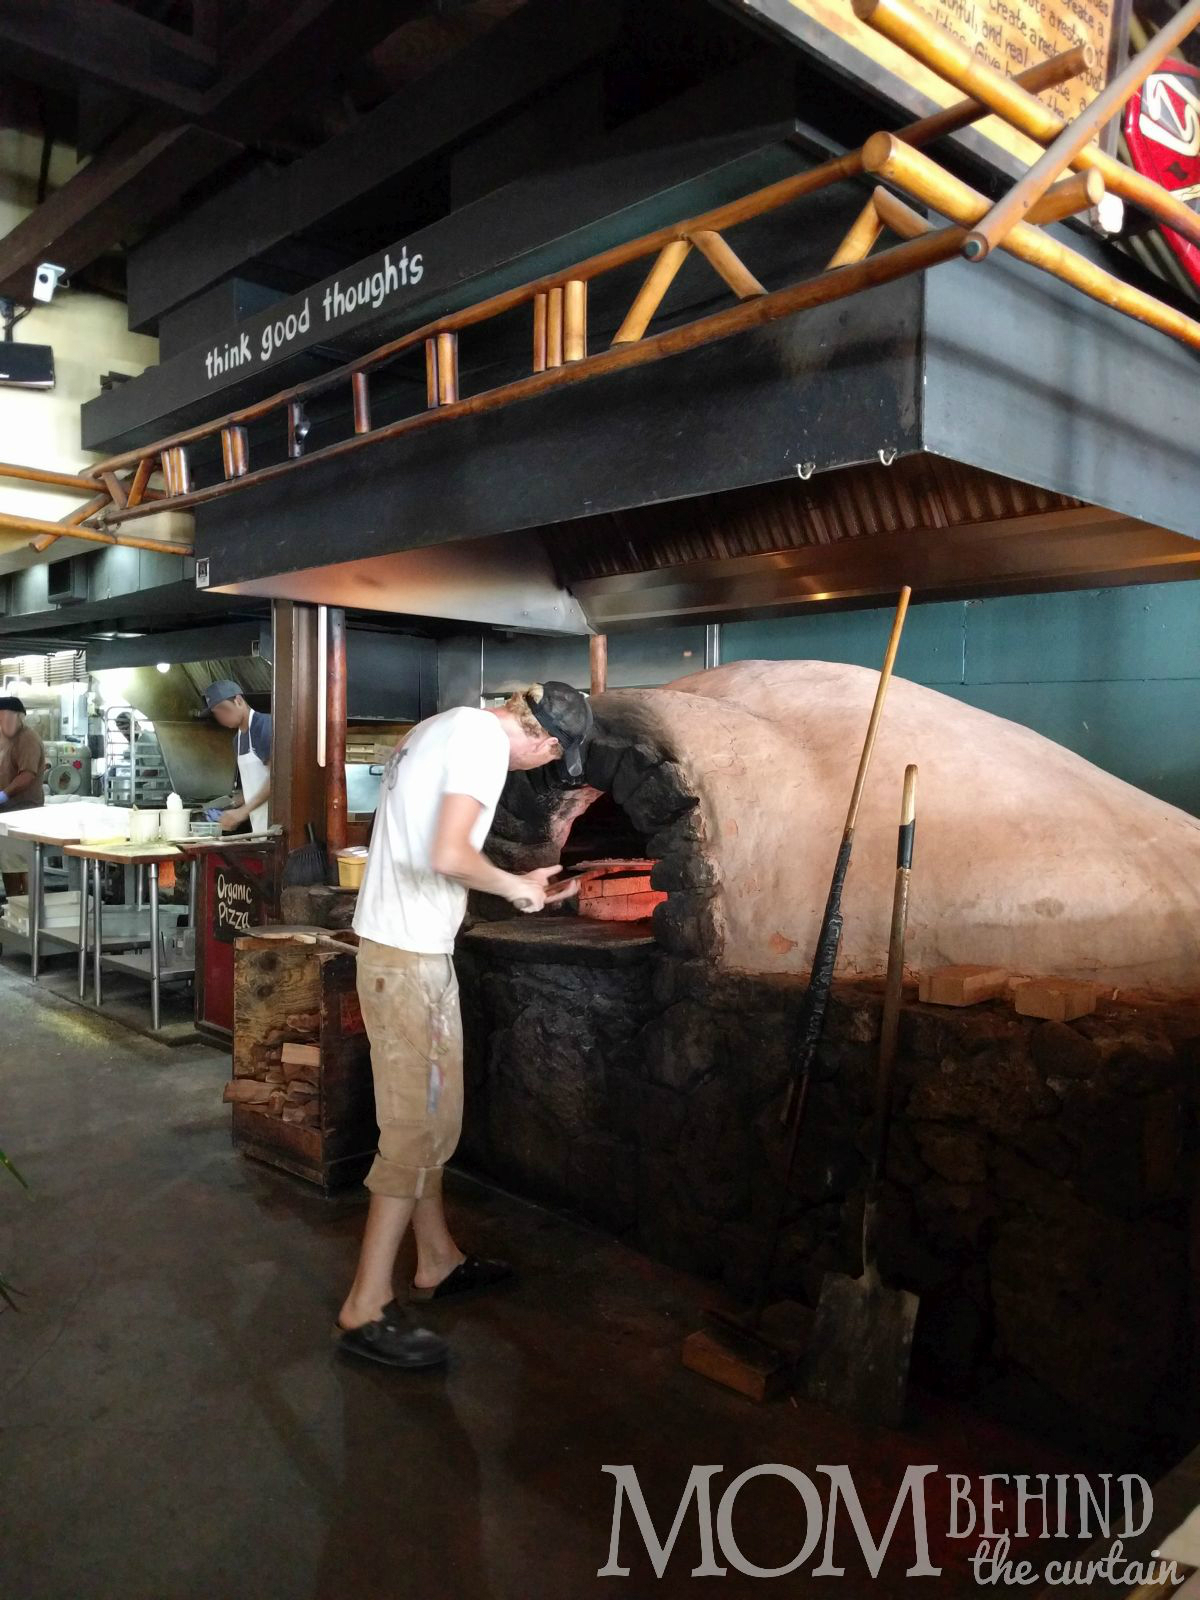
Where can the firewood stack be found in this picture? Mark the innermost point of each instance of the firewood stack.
(301, 1092)
(285, 1077)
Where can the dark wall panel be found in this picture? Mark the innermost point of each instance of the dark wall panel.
(1028, 377)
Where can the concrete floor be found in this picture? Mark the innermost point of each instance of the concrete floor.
(174, 1423)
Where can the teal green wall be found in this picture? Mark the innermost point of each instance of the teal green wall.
(1111, 673)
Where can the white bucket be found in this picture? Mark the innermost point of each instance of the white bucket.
(144, 826)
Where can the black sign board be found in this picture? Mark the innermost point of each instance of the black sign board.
(236, 904)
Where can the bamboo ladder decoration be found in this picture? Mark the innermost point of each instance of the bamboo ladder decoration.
(562, 353)
(115, 491)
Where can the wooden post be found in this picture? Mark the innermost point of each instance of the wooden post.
(447, 368)
(649, 297)
(554, 327)
(575, 320)
(235, 456)
(335, 733)
(598, 658)
(362, 402)
(296, 795)
(539, 331)
(176, 471)
(431, 372)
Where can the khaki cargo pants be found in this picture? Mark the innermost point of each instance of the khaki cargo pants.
(410, 1008)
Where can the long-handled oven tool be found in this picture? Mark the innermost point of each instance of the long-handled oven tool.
(861, 1341)
(711, 1348)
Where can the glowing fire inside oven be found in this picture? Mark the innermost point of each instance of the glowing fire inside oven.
(616, 891)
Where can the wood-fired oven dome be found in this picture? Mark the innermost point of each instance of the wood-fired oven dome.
(1027, 856)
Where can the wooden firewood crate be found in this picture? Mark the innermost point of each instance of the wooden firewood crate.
(313, 1113)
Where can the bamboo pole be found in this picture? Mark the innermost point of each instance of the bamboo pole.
(598, 662)
(726, 263)
(176, 471)
(57, 530)
(575, 320)
(770, 198)
(115, 488)
(539, 332)
(860, 238)
(650, 296)
(362, 402)
(235, 456)
(73, 519)
(914, 172)
(885, 267)
(554, 326)
(1046, 74)
(61, 480)
(912, 30)
(141, 478)
(1016, 204)
(447, 368)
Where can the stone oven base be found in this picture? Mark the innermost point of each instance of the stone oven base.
(1040, 1182)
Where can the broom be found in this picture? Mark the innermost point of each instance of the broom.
(306, 865)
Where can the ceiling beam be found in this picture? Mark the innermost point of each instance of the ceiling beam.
(540, 44)
(148, 168)
(109, 199)
(60, 41)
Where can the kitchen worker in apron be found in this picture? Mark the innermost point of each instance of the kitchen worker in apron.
(22, 763)
(252, 746)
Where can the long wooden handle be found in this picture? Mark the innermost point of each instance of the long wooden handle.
(890, 1024)
(881, 689)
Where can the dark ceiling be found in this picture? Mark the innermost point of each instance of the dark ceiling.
(201, 117)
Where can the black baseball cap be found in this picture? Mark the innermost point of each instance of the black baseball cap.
(566, 714)
(9, 702)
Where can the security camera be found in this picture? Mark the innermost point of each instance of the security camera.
(46, 280)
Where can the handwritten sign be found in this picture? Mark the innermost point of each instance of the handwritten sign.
(1010, 35)
(236, 906)
(323, 312)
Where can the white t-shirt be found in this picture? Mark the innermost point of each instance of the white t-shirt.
(403, 901)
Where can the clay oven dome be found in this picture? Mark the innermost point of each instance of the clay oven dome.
(1027, 855)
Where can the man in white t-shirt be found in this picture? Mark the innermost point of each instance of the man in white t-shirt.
(436, 804)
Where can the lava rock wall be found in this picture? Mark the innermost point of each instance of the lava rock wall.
(1039, 1188)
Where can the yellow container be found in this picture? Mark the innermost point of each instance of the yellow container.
(351, 865)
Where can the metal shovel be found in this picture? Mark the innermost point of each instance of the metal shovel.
(861, 1341)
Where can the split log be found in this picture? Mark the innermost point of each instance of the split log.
(301, 1055)
(246, 1091)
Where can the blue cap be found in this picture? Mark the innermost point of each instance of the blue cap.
(222, 689)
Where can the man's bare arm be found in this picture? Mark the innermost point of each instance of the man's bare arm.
(456, 857)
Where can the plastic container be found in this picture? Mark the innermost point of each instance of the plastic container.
(144, 826)
(351, 865)
(104, 823)
(174, 819)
